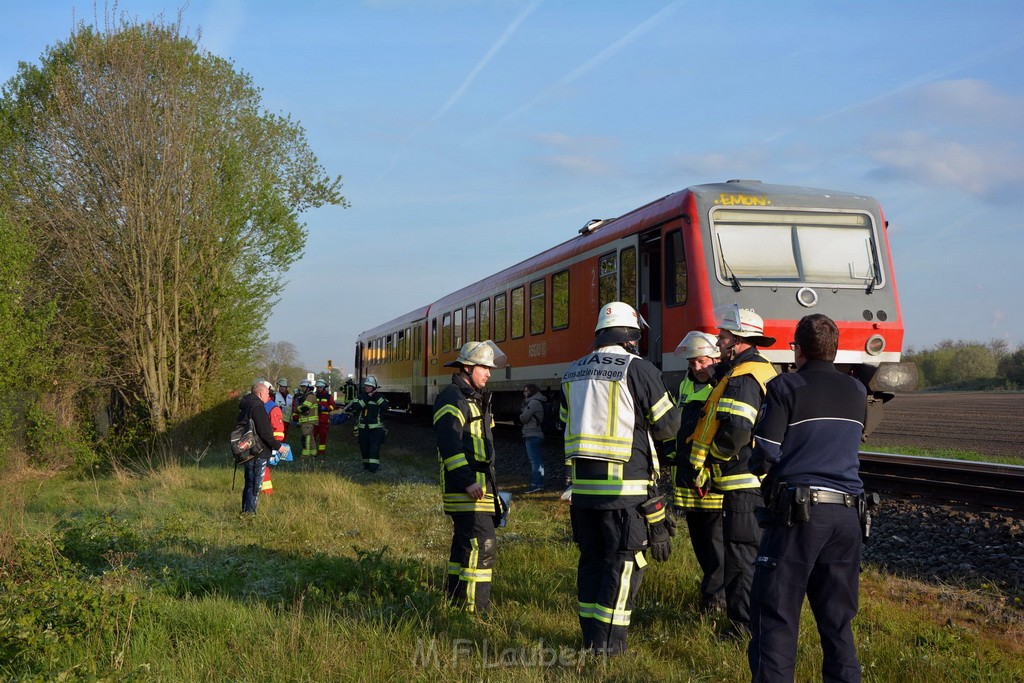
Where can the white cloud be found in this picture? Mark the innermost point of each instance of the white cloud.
(966, 101)
(582, 156)
(987, 170)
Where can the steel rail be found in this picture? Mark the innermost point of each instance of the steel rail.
(980, 484)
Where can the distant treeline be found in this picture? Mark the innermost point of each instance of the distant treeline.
(968, 365)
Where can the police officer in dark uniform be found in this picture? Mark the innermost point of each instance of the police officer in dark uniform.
(613, 402)
(807, 440)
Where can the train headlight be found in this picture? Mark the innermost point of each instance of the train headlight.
(875, 345)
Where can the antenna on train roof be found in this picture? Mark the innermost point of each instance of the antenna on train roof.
(592, 225)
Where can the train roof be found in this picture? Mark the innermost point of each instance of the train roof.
(654, 213)
(407, 319)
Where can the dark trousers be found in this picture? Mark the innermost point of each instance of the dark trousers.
(370, 441)
(820, 557)
(611, 568)
(705, 528)
(742, 535)
(474, 552)
(254, 470)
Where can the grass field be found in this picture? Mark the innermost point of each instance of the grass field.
(153, 575)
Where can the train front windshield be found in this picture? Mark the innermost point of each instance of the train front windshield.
(795, 247)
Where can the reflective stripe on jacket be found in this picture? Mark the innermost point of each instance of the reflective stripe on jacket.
(729, 471)
(465, 446)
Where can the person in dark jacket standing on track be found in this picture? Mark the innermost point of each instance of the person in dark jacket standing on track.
(613, 402)
(807, 441)
(465, 449)
(251, 407)
(532, 420)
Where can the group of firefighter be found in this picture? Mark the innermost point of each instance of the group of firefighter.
(618, 417)
(313, 408)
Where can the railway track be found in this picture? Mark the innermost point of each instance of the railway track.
(977, 484)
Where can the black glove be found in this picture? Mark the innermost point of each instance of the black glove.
(686, 474)
(660, 528)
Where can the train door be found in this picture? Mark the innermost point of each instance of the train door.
(418, 389)
(650, 304)
(359, 360)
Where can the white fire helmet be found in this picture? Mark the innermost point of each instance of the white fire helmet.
(485, 353)
(283, 382)
(618, 323)
(745, 323)
(304, 383)
(320, 384)
(698, 345)
(371, 381)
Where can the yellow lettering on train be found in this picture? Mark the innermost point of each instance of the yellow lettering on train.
(743, 200)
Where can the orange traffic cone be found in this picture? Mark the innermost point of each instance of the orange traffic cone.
(267, 487)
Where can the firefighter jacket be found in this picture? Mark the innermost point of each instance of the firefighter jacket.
(465, 446)
(722, 440)
(613, 402)
(276, 416)
(370, 408)
(693, 394)
(325, 406)
(307, 407)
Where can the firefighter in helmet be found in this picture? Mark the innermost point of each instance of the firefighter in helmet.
(325, 406)
(701, 506)
(465, 451)
(720, 449)
(308, 416)
(613, 402)
(370, 406)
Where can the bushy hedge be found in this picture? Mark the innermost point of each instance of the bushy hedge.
(969, 365)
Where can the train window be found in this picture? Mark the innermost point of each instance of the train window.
(627, 276)
(499, 317)
(560, 300)
(457, 330)
(433, 337)
(675, 269)
(608, 281)
(485, 319)
(471, 323)
(518, 312)
(446, 332)
(765, 247)
(403, 344)
(537, 312)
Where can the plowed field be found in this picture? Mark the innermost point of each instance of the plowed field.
(989, 423)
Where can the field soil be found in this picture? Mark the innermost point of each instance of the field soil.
(989, 423)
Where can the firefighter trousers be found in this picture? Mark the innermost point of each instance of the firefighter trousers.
(611, 568)
(471, 562)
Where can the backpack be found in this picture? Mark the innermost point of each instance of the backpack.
(550, 424)
(245, 443)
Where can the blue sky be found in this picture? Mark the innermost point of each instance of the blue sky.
(471, 135)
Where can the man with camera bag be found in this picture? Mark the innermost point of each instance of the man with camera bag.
(806, 441)
(251, 407)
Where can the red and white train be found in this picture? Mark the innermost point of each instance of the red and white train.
(681, 261)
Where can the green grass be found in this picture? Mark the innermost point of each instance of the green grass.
(154, 576)
(947, 453)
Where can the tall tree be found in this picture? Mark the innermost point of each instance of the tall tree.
(165, 202)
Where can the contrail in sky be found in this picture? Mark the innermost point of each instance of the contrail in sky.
(487, 58)
(460, 91)
(923, 79)
(587, 66)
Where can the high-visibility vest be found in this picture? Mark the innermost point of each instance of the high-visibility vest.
(704, 435)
